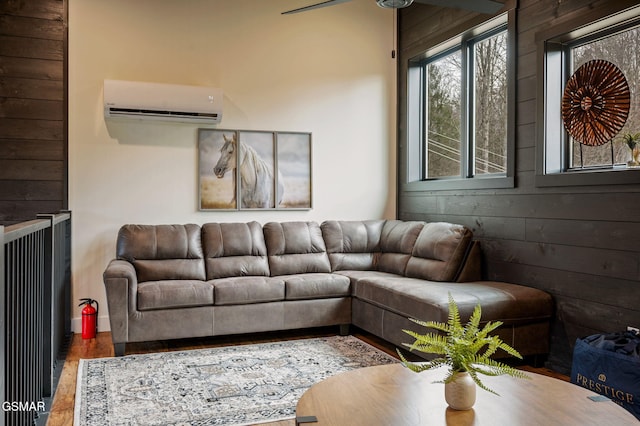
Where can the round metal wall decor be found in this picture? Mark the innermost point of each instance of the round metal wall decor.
(595, 104)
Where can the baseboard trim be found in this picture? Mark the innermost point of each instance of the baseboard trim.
(103, 324)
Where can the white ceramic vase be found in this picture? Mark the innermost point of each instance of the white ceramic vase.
(460, 393)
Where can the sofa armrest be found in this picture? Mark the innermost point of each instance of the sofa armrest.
(121, 283)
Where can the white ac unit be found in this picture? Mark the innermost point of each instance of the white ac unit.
(166, 102)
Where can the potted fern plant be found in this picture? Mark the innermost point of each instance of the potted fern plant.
(465, 350)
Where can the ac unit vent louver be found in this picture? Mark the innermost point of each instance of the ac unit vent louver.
(166, 102)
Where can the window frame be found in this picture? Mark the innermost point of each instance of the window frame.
(415, 179)
(553, 50)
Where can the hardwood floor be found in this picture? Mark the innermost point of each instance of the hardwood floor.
(63, 403)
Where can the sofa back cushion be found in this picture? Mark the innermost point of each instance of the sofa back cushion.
(396, 242)
(353, 245)
(234, 250)
(162, 252)
(295, 248)
(439, 251)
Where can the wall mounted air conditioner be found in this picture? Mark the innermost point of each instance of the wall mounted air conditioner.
(166, 102)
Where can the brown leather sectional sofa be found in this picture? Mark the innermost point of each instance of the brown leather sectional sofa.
(178, 281)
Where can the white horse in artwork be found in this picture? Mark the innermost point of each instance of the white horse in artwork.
(256, 176)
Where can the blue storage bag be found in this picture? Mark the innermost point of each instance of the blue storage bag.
(609, 364)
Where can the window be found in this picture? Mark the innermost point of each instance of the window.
(563, 160)
(460, 111)
(443, 88)
(490, 124)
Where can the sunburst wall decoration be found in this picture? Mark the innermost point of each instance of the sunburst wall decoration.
(595, 104)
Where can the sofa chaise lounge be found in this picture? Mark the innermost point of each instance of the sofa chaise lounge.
(179, 281)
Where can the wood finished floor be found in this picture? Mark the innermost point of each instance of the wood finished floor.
(63, 403)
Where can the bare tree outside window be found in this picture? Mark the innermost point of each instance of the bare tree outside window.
(491, 105)
(443, 117)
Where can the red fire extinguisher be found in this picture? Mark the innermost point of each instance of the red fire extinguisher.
(89, 318)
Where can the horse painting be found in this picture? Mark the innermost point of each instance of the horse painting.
(256, 176)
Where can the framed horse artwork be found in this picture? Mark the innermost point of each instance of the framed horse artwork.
(253, 170)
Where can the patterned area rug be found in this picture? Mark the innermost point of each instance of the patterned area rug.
(235, 385)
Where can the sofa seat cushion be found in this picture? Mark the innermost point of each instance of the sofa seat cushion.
(153, 295)
(247, 290)
(357, 275)
(429, 300)
(315, 286)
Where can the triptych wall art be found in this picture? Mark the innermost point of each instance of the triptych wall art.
(246, 170)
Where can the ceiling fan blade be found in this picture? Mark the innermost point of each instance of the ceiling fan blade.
(482, 6)
(315, 6)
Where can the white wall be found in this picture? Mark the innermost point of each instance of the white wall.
(328, 72)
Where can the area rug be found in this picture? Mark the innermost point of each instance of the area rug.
(234, 385)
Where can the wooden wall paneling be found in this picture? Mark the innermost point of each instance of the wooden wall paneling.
(537, 13)
(605, 290)
(527, 88)
(526, 65)
(11, 128)
(12, 212)
(598, 234)
(572, 312)
(430, 24)
(542, 14)
(526, 133)
(22, 170)
(38, 69)
(32, 109)
(33, 129)
(586, 206)
(31, 88)
(488, 227)
(24, 149)
(31, 27)
(526, 41)
(30, 190)
(23, 47)
(423, 205)
(44, 9)
(526, 110)
(605, 263)
(526, 158)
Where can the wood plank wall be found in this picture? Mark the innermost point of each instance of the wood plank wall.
(33, 136)
(581, 244)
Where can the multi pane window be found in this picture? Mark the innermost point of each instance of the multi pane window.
(465, 108)
(622, 49)
(561, 159)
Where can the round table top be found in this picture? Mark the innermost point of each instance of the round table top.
(395, 396)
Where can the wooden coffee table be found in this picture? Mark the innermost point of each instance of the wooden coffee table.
(391, 395)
